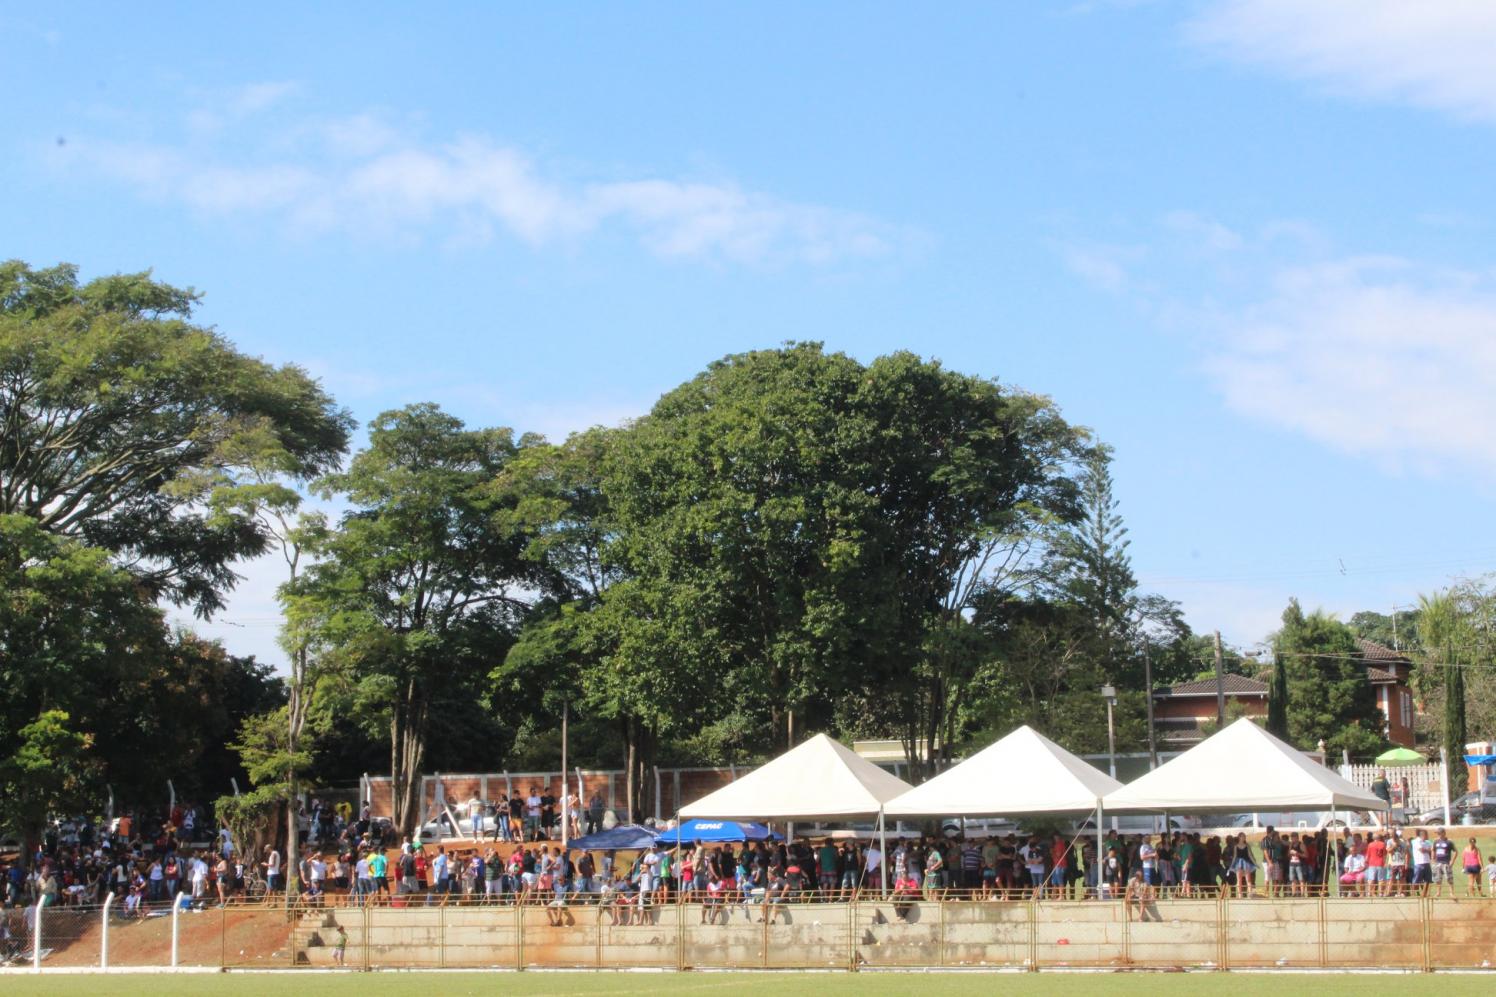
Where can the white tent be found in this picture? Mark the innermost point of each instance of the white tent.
(1241, 768)
(1024, 773)
(820, 779)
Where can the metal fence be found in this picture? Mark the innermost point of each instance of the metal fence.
(1333, 932)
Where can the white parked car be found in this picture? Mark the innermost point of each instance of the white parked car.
(1303, 820)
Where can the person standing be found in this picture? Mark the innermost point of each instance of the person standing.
(378, 870)
(1376, 865)
(272, 866)
(1470, 859)
(1422, 854)
(595, 812)
(1443, 856)
(533, 814)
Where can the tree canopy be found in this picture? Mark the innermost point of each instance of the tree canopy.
(120, 419)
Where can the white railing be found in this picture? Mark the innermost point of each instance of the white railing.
(1425, 782)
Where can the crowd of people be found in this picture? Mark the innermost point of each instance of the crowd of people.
(146, 860)
(141, 857)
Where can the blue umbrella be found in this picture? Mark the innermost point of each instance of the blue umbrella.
(691, 831)
(622, 837)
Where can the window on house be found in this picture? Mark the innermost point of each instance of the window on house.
(1405, 704)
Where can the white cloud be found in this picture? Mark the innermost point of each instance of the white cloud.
(1106, 267)
(1429, 53)
(1208, 232)
(1378, 356)
(255, 97)
(1374, 356)
(360, 175)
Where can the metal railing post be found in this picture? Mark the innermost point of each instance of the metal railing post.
(36, 936)
(852, 934)
(104, 933)
(1225, 928)
(519, 936)
(368, 929)
(1033, 909)
(176, 924)
(940, 949)
(764, 917)
(441, 936)
(1425, 910)
(1324, 933)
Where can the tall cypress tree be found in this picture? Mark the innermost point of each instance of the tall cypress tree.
(1277, 700)
(1454, 721)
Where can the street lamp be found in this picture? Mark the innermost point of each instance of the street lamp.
(1109, 693)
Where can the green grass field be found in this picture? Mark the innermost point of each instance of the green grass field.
(820, 984)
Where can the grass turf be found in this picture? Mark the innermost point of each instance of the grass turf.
(553, 984)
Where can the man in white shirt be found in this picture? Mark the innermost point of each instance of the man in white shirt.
(1421, 850)
(1148, 858)
(532, 814)
(363, 879)
(475, 816)
(649, 869)
(272, 866)
(199, 877)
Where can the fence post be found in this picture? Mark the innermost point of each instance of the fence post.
(36, 936)
(1324, 933)
(368, 930)
(176, 923)
(1127, 933)
(519, 935)
(940, 949)
(1033, 908)
(441, 936)
(223, 936)
(764, 917)
(680, 934)
(1225, 932)
(852, 933)
(104, 933)
(1425, 909)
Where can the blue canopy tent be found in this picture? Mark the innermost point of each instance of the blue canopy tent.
(1480, 759)
(622, 837)
(713, 831)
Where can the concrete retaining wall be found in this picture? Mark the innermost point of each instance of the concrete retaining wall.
(1411, 934)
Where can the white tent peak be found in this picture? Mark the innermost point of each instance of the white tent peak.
(1241, 767)
(1022, 773)
(819, 779)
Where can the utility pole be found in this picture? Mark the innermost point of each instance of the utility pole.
(1148, 687)
(1220, 685)
(565, 816)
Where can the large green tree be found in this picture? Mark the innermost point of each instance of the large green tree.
(50, 770)
(76, 637)
(1329, 697)
(801, 526)
(418, 589)
(1448, 632)
(120, 419)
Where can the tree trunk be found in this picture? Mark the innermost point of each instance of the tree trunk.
(630, 757)
(295, 715)
(407, 753)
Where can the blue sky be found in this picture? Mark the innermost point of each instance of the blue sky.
(1246, 241)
